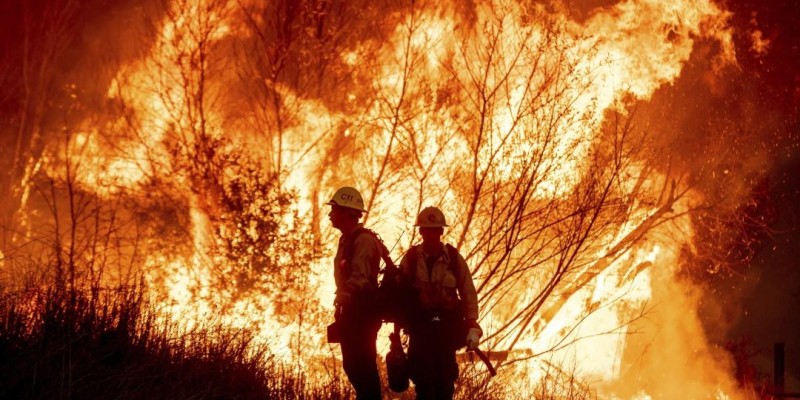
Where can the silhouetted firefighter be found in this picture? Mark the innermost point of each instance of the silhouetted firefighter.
(356, 268)
(444, 308)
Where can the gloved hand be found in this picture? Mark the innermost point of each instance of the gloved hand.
(473, 338)
(343, 299)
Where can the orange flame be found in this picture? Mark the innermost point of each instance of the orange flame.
(623, 52)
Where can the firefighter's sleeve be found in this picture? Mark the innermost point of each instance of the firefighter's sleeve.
(365, 262)
(407, 267)
(466, 290)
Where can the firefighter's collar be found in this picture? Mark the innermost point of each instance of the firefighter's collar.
(357, 227)
(445, 255)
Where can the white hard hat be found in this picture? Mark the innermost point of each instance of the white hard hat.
(348, 197)
(430, 217)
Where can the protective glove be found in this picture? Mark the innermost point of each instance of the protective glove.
(342, 300)
(473, 338)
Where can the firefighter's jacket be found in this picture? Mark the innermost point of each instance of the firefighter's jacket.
(440, 288)
(359, 274)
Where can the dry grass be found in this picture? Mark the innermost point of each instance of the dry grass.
(58, 344)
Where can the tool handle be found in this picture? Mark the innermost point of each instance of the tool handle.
(486, 361)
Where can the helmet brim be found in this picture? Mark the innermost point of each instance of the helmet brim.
(334, 203)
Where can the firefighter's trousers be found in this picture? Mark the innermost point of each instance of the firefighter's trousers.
(432, 359)
(359, 356)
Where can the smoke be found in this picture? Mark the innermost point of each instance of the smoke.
(656, 353)
(734, 134)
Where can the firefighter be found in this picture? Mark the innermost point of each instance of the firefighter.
(356, 267)
(444, 309)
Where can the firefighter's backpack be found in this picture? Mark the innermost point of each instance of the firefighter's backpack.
(388, 300)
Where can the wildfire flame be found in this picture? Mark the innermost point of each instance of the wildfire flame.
(444, 100)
